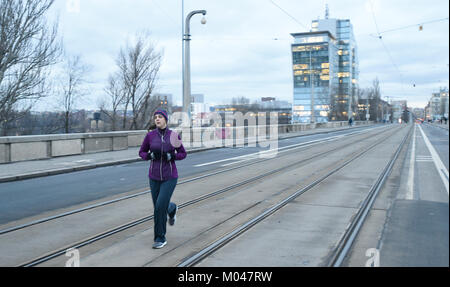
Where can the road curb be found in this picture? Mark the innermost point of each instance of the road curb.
(80, 168)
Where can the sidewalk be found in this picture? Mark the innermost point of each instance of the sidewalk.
(38, 168)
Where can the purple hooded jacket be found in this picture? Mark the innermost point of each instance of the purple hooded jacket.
(163, 141)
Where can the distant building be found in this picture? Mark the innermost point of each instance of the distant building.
(267, 99)
(165, 101)
(197, 98)
(438, 105)
(325, 68)
(282, 108)
(419, 113)
(397, 110)
(435, 106)
(199, 110)
(444, 102)
(199, 113)
(427, 112)
(261, 108)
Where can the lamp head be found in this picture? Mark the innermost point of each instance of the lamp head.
(203, 21)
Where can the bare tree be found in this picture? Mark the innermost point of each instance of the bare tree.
(374, 95)
(337, 104)
(139, 65)
(28, 47)
(362, 95)
(51, 122)
(71, 88)
(115, 92)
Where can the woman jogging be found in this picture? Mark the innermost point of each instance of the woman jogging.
(162, 146)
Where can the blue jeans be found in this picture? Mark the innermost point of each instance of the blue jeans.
(161, 193)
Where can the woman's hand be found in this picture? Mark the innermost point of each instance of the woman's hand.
(168, 156)
(154, 155)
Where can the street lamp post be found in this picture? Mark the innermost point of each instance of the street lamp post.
(187, 63)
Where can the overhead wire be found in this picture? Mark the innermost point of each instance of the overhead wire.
(413, 25)
(385, 47)
(290, 16)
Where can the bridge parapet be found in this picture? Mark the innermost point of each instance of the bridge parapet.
(22, 148)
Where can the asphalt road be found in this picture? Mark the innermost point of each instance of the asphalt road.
(439, 139)
(416, 233)
(32, 197)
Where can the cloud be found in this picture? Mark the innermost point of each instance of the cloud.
(235, 52)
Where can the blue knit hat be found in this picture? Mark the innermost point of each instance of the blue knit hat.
(163, 113)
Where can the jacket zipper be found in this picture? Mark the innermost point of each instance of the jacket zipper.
(162, 148)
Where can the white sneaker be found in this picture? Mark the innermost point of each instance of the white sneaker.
(158, 245)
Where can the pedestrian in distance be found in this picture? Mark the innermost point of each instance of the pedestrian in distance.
(350, 121)
(162, 147)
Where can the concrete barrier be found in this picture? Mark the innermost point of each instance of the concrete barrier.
(22, 148)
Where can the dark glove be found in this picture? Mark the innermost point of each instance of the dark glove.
(154, 155)
(168, 156)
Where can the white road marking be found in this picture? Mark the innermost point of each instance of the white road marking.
(442, 170)
(251, 156)
(234, 162)
(424, 158)
(410, 193)
(256, 154)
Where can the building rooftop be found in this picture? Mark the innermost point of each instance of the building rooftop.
(296, 35)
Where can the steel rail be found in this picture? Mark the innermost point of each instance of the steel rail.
(347, 239)
(207, 251)
(100, 204)
(61, 251)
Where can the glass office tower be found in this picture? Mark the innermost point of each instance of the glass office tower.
(325, 68)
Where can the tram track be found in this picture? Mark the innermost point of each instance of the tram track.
(79, 244)
(122, 198)
(346, 240)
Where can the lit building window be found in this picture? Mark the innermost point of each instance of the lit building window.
(343, 74)
(300, 66)
(325, 65)
(312, 40)
(298, 49)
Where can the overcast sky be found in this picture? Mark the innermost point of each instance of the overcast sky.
(245, 47)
